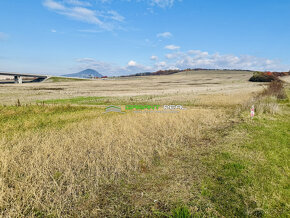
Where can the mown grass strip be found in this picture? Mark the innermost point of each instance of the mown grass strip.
(249, 173)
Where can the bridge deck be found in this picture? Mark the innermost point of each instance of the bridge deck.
(23, 74)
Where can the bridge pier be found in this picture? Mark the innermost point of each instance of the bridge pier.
(18, 79)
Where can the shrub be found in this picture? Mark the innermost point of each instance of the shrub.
(281, 73)
(263, 77)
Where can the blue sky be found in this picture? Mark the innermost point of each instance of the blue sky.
(118, 37)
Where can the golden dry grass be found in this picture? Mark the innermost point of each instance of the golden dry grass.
(55, 171)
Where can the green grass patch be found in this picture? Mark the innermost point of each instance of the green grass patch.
(77, 100)
(17, 119)
(181, 212)
(249, 173)
(134, 100)
(63, 79)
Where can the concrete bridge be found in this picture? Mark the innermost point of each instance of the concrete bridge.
(18, 76)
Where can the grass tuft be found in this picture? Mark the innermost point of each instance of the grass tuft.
(181, 212)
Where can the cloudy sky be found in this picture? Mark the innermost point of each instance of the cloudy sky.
(117, 37)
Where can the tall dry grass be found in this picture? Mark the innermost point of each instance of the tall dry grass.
(275, 89)
(61, 172)
(266, 101)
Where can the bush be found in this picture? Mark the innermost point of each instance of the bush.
(263, 77)
(281, 73)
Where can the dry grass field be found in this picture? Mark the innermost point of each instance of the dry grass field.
(194, 83)
(62, 156)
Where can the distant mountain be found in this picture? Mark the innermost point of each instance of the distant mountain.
(88, 73)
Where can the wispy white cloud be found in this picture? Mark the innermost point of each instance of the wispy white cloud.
(164, 35)
(132, 63)
(172, 47)
(78, 3)
(162, 3)
(160, 65)
(197, 52)
(3, 36)
(202, 59)
(173, 55)
(134, 67)
(84, 11)
(54, 5)
(114, 15)
(183, 60)
(86, 60)
(153, 3)
(90, 31)
(76, 10)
